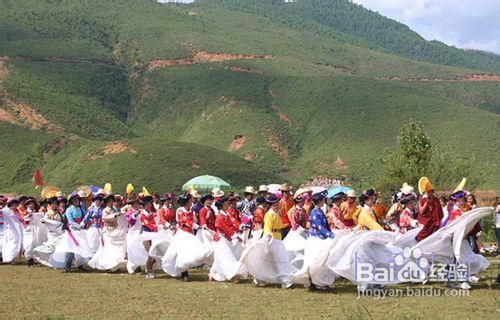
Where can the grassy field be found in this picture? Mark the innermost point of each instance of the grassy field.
(41, 293)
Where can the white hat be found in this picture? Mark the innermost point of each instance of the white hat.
(263, 188)
(407, 189)
(194, 193)
(300, 191)
(249, 189)
(59, 194)
(217, 192)
(351, 194)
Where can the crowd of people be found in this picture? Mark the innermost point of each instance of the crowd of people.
(286, 237)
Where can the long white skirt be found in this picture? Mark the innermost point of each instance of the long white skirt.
(72, 241)
(186, 251)
(94, 237)
(226, 263)
(268, 261)
(12, 238)
(295, 241)
(207, 238)
(315, 268)
(34, 235)
(113, 248)
(137, 255)
(43, 252)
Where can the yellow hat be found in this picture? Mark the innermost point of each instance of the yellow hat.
(424, 185)
(461, 185)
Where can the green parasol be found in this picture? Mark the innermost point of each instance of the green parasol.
(206, 183)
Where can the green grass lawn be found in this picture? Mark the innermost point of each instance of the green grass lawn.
(40, 292)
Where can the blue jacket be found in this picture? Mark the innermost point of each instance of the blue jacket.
(319, 225)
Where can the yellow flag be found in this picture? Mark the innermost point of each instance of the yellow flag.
(107, 187)
(145, 192)
(130, 189)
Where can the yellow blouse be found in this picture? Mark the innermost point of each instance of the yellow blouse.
(368, 220)
(272, 224)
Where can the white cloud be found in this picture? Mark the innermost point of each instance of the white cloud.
(471, 24)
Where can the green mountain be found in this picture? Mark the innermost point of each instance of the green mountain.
(252, 91)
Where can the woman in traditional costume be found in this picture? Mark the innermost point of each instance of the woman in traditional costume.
(11, 241)
(166, 214)
(266, 259)
(406, 221)
(186, 250)
(295, 240)
(335, 216)
(111, 252)
(148, 222)
(367, 219)
(94, 220)
(73, 246)
(227, 247)
(34, 233)
(53, 222)
(348, 208)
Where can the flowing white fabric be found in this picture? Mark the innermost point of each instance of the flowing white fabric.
(447, 245)
(12, 238)
(34, 234)
(134, 231)
(43, 252)
(315, 269)
(267, 260)
(185, 251)
(94, 237)
(206, 236)
(295, 241)
(226, 263)
(111, 252)
(72, 241)
(407, 239)
(137, 254)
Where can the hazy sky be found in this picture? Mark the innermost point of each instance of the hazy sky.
(462, 23)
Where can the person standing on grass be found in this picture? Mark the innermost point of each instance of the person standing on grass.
(496, 223)
(94, 219)
(73, 246)
(335, 217)
(318, 223)
(113, 248)
(148, 224)
(430, 211)
(406, 221)
(285, 204)
(206, 215)
(298, 216)
(166, 214)
(348, 208)
(12, 240)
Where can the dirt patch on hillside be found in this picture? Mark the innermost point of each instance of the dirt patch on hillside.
(22, 114)
(239, 69)
(57, 145)
(334, 68)
(4, 70)
(238, 142)
(249, 156)
(117, 147)
(284, 118)
(457, 78)
(339, 164)
(201, 56)
(278, 148)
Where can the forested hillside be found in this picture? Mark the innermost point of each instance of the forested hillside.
(252, 91)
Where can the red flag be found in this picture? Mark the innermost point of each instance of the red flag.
(37, 178)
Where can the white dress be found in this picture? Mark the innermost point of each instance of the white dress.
(137, 255)
(184, 252)
(267, 260)
(12, 236)
(226, 264)
(34, 234)
(113, 248)
(43, 252)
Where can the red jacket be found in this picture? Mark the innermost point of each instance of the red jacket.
(185, 219)
(224, 226)
(430, 218)
(166, 214)
(235, 217)
(206, 217)
(148, 220)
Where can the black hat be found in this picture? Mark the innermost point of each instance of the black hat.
(97, 197)
(221, 201)
(272, 198)
(338, 196)
(260, 200)
(132, 198)
(318, 197)
(73, 196)
(146, 199)
(29, 199)
(205, 197)
(407, 199)
(109, 197)
(22, 198)
(12, 201)
(184, 198)
(46, 201)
